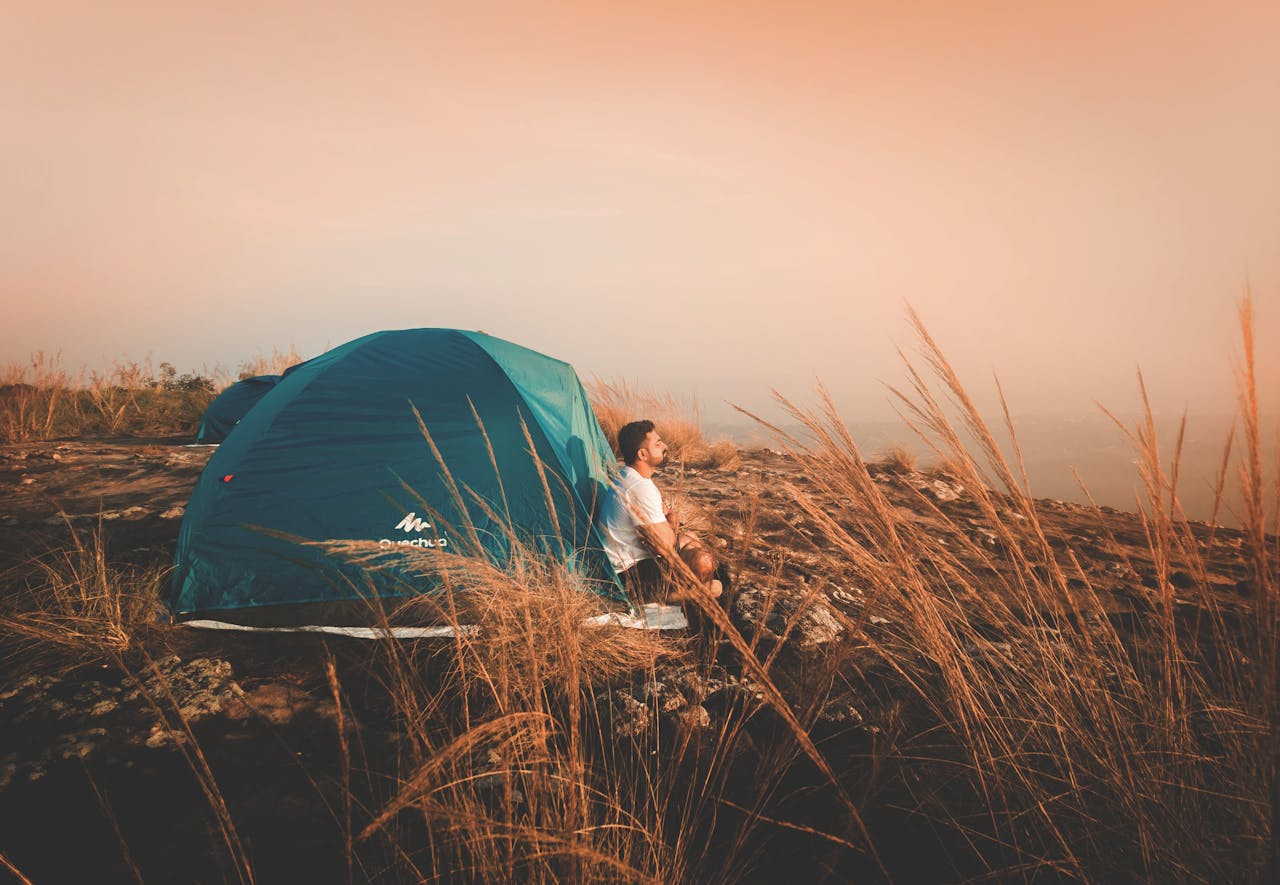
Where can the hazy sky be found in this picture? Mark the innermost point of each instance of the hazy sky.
(712, 198)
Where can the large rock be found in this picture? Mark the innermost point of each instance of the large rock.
(804, 618)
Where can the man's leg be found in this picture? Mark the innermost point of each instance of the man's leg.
(701, 562)
(645, 581)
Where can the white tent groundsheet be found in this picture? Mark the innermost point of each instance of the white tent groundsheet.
(652, 617)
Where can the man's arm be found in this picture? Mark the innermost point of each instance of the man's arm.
(660, 537)
(657, 524)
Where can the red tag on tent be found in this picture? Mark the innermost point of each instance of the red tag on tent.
(227, 478)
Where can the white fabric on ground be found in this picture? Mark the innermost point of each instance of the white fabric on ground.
(652, 617)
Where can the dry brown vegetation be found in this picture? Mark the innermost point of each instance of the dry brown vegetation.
(1062, 746)
(617, 403)
(81, 602)
(1021, 734)
(899, 459)
(499, 782)
(273, 363)
(42, 399)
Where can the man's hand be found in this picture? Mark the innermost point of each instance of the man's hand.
(673, 520)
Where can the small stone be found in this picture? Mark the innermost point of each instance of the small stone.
(163, 737)
(78, 746)
(818, 627)
(173, 512)
(128, 513)
(274, 701)
(667, 700)
(839, 711)
(633, 719)
(846, 597)
(694, 717)
(29, 684)
(103, 707)
(768, 613)
(945, 491)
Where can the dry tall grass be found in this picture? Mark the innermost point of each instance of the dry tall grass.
(617, 403)
(498, 783)
(77, 602)
(516, 772)
(32, 397)
(1061, 745)
(273, 363)
(40, 399)
(517, 769)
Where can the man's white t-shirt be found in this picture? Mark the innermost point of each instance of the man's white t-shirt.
(633, 501)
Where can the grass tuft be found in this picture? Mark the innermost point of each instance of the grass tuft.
(273, 363)
(899, 459)
(76, 601)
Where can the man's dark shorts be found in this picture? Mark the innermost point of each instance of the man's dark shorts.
(645, 581)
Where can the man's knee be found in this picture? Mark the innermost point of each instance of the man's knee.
(700, 562)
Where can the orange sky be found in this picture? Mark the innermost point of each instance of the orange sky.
(715, 198)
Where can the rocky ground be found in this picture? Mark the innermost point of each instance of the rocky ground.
(91, 750)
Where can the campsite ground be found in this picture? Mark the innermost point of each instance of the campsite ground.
(120, 749)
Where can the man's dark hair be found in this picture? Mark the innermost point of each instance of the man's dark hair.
(631, 437)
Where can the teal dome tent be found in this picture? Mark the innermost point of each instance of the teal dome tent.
(226, 410)
(334, 451)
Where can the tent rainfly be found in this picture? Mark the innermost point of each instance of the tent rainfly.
(226, 410)
(334, 451)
